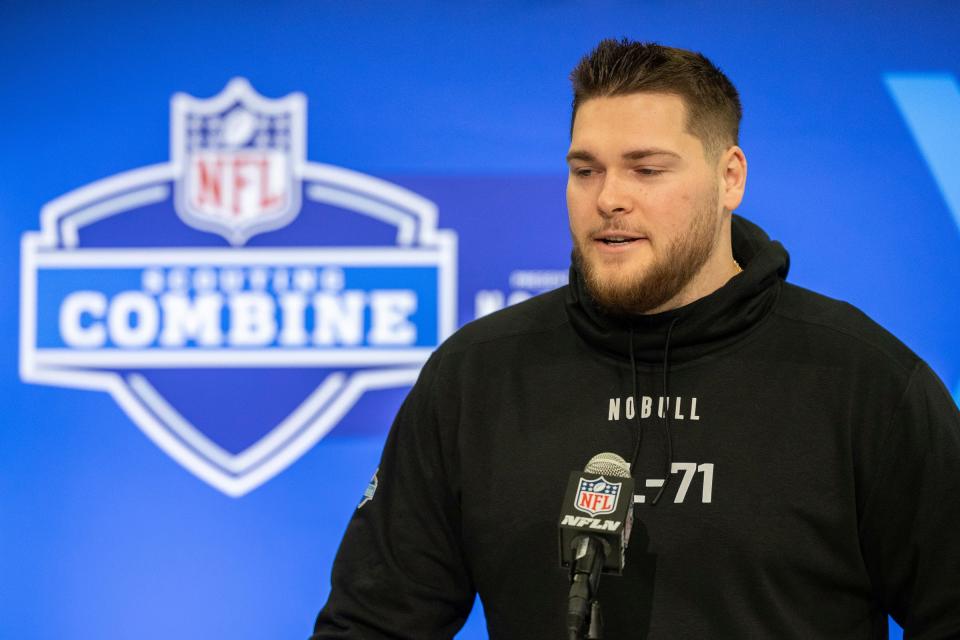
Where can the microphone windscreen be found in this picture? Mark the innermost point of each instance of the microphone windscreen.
(608, 464)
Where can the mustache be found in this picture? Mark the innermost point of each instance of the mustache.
(617, 227)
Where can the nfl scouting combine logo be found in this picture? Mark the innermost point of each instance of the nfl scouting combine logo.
(238, 300)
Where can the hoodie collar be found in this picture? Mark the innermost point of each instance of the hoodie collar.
(704, 325)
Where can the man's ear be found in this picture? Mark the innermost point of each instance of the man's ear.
(733, 177)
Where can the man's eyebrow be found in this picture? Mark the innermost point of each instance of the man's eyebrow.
(639, 154)
(635, 154)
(578, 154)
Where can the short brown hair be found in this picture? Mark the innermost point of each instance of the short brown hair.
(622, 67)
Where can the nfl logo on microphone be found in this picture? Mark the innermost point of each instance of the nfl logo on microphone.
(237, 301)
(598, 496)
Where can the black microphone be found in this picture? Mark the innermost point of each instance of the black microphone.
(595, 523)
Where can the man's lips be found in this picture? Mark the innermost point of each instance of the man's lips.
(613, 240)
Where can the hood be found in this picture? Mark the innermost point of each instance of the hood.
(700, 327)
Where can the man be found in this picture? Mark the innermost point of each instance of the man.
(796, 466)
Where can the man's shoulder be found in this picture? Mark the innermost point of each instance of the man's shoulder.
(841, 323)
(540, 314)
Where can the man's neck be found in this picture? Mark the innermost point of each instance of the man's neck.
(715, 273)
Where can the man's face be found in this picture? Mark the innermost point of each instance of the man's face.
(643, 201)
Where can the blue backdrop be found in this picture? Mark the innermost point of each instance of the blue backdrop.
(116, 518)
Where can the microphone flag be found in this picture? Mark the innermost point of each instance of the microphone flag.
(600, 507)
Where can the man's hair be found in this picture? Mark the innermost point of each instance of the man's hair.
(622, 67)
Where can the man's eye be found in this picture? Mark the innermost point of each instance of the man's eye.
(583, 172)
(646, 171)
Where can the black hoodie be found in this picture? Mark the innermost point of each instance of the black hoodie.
(814, 481)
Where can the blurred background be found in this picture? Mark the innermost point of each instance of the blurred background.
(126, 506)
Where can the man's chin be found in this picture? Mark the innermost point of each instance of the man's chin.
(616, 278)
(614, 290)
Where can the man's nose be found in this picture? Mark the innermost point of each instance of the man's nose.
(614, 197)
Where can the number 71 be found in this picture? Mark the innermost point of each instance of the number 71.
(689, 469)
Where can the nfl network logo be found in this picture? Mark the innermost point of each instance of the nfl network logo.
(597, 496)
(237, 301)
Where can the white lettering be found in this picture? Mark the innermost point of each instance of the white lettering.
(74, 332)
(133, 319)
(293, 332)
(688, 469)
(646, 406)
(664, 406)
(518, 296)
(591, 523)
(614, 412)
(252, 319)
(185, 320)
(305, 279)
(214, 307)
(281, 280)
(486, 301)
(177, 279)
(231, 280)
(338, 318)
(707, 470)
(390, 316)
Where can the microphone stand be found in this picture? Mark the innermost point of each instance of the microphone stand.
(583, 608)
(595, 630)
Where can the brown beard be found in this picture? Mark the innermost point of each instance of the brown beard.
(666, 277)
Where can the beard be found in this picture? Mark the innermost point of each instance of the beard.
(668, 274)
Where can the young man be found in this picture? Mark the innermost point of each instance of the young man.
(795, 465)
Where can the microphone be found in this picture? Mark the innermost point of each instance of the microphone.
(595, 523)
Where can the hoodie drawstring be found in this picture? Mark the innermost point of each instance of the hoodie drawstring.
(666, 409)
(636, 409)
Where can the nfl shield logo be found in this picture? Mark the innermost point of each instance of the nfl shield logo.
(236, 155)
(597, 496)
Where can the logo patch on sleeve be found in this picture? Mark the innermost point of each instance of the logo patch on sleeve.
(371, 489)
